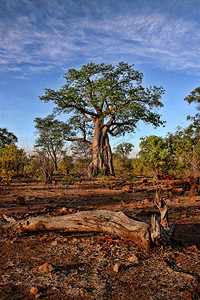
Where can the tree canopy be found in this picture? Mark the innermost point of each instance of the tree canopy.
(49, 144)
(50, 141)
(154, 154)
(194, 96)
(101, 99)
(12, 161)
(6, 138)
(123, 149)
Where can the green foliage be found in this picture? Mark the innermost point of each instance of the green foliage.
(12, 161)
(129, 176)
(184, 145)
(49, 145)
(6, 138)
(123, 149)
(50, 140)
(138, 166)
(112, 95)
(103, 91)
(69, 179)
(123, 166)
(185, 148)
(154, 155)
(65, 166)
(194, 96)
(33, 167)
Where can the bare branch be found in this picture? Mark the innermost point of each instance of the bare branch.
(82, 139)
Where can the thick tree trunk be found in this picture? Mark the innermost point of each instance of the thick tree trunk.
(101, 153)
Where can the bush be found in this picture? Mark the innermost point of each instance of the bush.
(12, 162)
(65, 166)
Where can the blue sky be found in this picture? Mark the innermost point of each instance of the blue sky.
(41, 39)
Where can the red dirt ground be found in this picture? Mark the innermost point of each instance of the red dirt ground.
(81, 265)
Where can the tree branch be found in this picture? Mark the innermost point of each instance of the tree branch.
(88, 143)
(118, 125)
(88, 119)
(79, 108)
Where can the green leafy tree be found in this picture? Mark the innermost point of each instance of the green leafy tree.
(50, 139)
(6, 138)
(104, 100)
(186, 140)
(12, 162)
(123, 149)
(154, 154)
(50, 144)
(186, 151)
(138, 166)
(121, 162)
(65, 166)
(32, 167)
(194, 97)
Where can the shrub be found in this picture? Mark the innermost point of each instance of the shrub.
(12, 162)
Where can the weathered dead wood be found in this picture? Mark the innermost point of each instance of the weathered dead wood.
(116, 223)
(161, 231)
(161, 204)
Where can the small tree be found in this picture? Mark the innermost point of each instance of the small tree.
(123, 164)
(154, 154)
(187, 141)
(194, 97)
(138, 166)
(82, 157)
(123, 149)
(186, 151)
(65, 166)
(104, 100)
(6, 138)
(50, 144)
(12, 161)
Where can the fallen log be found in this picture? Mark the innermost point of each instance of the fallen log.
(116, 223)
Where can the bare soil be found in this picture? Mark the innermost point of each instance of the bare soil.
(93, 265)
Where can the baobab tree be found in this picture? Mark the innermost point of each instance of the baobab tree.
(102, 100)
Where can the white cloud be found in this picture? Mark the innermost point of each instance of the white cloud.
(48, 37)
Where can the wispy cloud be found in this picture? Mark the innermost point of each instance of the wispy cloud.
(45, 35)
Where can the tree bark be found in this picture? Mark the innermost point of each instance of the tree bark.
(101, 153)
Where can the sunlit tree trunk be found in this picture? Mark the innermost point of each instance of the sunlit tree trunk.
(101, 153)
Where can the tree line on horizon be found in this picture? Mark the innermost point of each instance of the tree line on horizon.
(100, 101)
